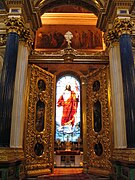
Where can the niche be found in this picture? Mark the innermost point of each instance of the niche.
(97, 116)
(40, 111)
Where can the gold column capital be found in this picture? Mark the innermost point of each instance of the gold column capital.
(26, 36)
(123, 26)
(110, 37)
(120, 26)
(14, 25)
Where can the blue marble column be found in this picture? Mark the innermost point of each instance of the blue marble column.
(7, 88)
(128, 73)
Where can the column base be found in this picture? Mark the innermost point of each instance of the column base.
(11, 163)
(123, 161)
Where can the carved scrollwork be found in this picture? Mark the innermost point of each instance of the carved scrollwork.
(39, 144)
(26, 36)
(17, 25)
(124, 154)
(123, 26)
(3, 39)
(120, 26)
(111, 37)
(101, 140)
(14, 25)
(10, 154)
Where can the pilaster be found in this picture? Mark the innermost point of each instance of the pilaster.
(14, 28)
(118, 110)
(20, 90)
(9, 157)
(123, 28)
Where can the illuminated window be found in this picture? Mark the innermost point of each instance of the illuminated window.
(67, 109)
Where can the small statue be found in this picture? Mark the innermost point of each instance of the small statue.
(68, 37)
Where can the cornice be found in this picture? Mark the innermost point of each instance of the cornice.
(109, 12)
(103, 15)
(32, 14)
(29, 13)
(68, 55)
(14, 3)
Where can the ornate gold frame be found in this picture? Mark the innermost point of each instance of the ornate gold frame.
(43, 164)
(91, 160)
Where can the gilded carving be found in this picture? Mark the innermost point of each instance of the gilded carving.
(3, 39)
(104, 136)
(124, 154)
(69, 55)
(17, 25)
(111, 37)
(123, 26)
(14, 25)
(26, 36)
(43, 162)
(120, 26)
(11, 154)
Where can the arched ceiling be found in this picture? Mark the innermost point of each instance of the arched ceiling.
(93, 6)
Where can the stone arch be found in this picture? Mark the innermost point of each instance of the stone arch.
(92, 6)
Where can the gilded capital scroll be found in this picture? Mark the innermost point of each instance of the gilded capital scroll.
(14, 25)
(17, 25)
(111, 37)
(123, 26)
(26, 36)
(120, 26)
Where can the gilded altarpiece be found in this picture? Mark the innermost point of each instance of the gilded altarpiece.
(97, 151)
(39, 127)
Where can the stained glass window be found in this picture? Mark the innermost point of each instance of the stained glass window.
(68, 121)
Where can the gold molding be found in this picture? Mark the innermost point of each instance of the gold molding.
(104, 136)
(43, 163)
(14, 3)
(11, 154)
(125, 154)
(69, 18)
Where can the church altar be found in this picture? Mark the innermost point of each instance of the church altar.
(63, 158)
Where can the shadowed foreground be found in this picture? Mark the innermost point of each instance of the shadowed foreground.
(68, 174)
